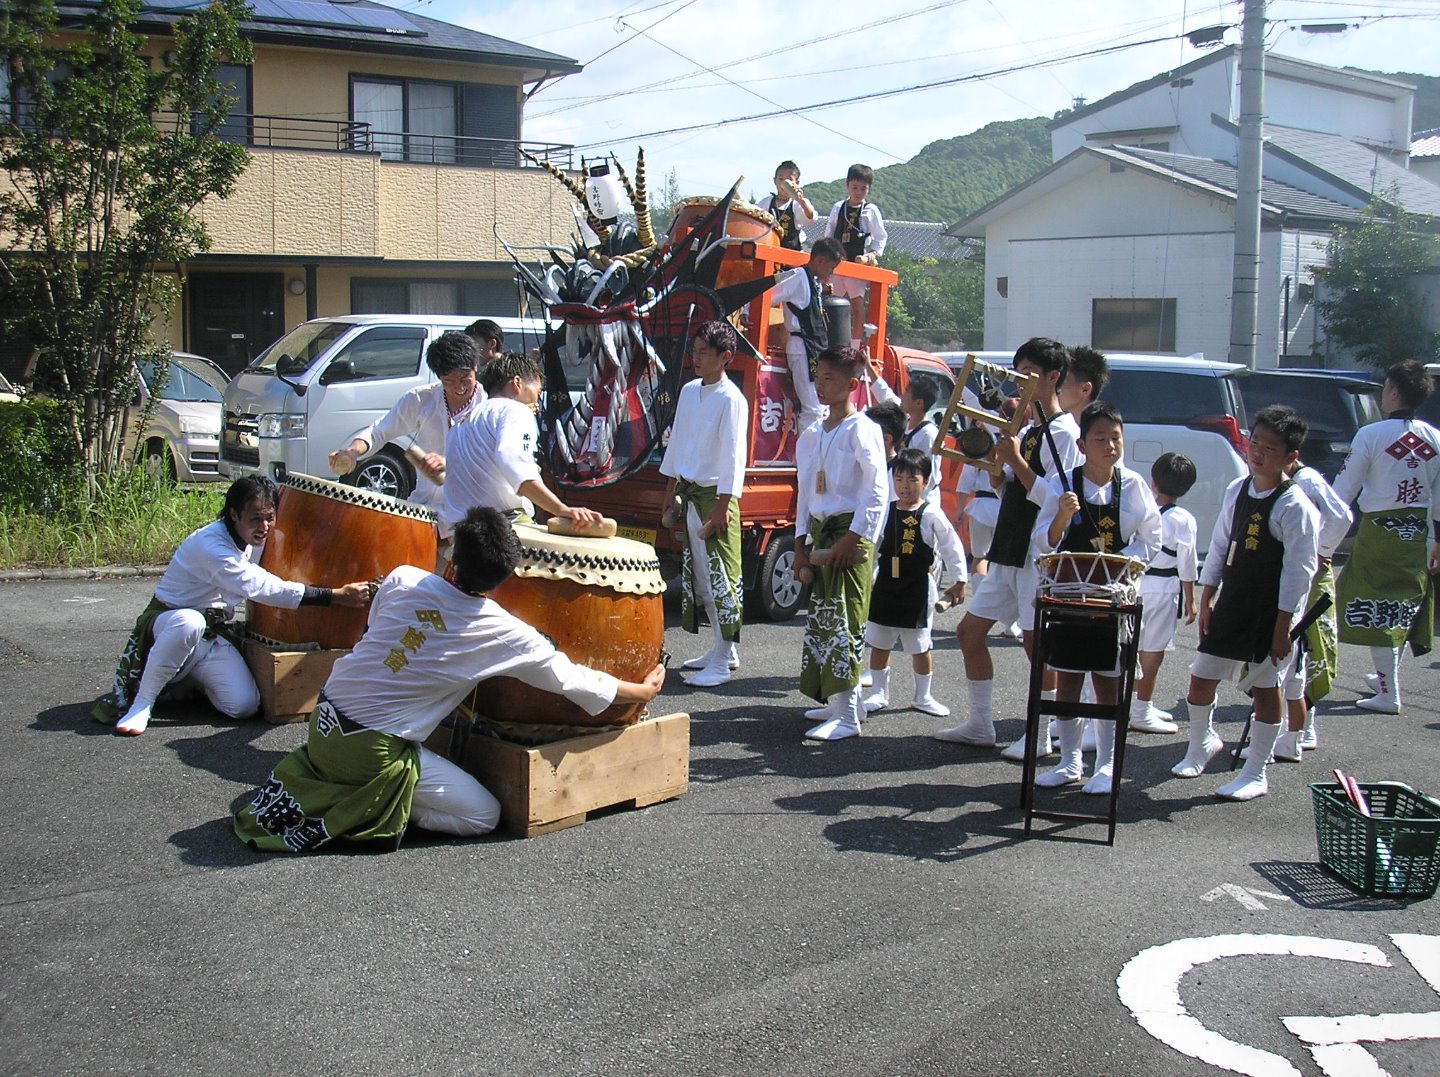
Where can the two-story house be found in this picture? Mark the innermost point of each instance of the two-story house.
(384, 159)
(1127, 240)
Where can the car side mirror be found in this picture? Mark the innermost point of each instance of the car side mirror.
(339, 370)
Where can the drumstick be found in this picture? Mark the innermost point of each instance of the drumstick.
(560, 525)
(417, 457)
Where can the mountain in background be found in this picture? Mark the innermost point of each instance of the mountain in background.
(950, 179)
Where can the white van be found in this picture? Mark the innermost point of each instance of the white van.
(328, 379)
(1170, 404)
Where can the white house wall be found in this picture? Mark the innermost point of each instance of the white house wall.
(1188, 107)
(1125, 235)
(1293, 98)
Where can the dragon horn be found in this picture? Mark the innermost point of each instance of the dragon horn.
(641, 198)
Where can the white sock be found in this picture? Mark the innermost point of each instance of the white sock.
(1205, 743)
(1251, 781)
(981, 694)
(1071, 767)
(922, 685)
(880, 681)
(136, 719)
(1387, 664)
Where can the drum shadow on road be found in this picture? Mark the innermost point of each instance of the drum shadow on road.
(904, 823)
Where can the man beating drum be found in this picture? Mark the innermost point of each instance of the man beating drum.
(491, 458)
(181, 635)
(362, 773)
(426, 415)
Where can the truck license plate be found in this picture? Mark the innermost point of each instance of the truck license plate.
(639, 534)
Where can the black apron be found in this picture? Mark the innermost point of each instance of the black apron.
(1242, 624)
(902, 586)
(848, 230)
(789, 230)
(1088, 643)
(1016, 520)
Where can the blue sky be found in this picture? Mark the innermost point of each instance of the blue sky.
(1039, 42)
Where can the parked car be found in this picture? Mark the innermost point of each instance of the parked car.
(327, 380)
(180, 435)
(7, 391)
(1335, 403)
(1170, 404)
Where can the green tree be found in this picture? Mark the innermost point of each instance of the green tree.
(108, 153)
(943, 302)
(1370, 303)
(663, 202)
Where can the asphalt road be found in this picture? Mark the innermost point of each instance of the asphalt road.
(865, 907)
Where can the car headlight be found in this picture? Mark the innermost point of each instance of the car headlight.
(199, 424)
(282, 426)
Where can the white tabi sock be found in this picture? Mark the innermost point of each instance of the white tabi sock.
(923, 701)
(879, 699)
(136, 719)
(1071, 767)
(1205, 743)
(1100, 783)
(1251, 781)
(1015, 751)
(1386, 699)
(979, 728)
(1309, 738)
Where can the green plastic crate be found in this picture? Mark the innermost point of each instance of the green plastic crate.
(1395, 853)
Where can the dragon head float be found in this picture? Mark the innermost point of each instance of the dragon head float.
(629, 304)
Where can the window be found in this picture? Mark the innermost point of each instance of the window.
(1133, 325)
(386, 352)
(439, 122)
(234, 80)
(481, 298)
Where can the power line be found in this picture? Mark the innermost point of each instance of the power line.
(771, 101)
(790, 47)
(627, 41)
(882, 94)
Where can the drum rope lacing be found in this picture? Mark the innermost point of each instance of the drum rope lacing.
(353, 495)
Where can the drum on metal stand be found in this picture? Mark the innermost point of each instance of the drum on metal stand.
(599, 600)
(328, 535)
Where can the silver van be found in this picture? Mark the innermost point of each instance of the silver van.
(328, 379)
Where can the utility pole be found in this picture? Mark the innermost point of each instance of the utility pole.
(1245, 278)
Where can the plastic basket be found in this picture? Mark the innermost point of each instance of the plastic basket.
(1396, 853)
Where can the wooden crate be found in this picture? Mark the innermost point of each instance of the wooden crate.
(289, 681)
(556, 785)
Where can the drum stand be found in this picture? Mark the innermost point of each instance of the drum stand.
(1098, 618)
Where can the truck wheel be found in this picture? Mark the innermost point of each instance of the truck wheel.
(778, 594)
(382, 473)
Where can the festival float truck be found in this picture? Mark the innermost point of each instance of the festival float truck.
(628, 303)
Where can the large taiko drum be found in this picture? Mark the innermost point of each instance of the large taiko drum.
(745, 221)
(599, 600)
(329, 535)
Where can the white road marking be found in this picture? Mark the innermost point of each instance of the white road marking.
(1149, 985)
(1242, 894)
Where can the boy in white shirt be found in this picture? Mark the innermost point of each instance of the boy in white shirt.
(841, 497)
(902, 602)
(798, 291)
(1167, 590)
(1393, 477)
(1262, 560)
(789, 206)
(491, 459)
(1099, 507)
(362, 774)
(704, 464)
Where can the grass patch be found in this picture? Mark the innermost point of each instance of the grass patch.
(134, 520)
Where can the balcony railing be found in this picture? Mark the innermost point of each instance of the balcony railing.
(349, 136)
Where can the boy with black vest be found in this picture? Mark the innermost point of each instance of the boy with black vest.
(902, 602)
(1099, 507)
(1009, 586)
(800, 292)
(1262, 559)
(789, 206)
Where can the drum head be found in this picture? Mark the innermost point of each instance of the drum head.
(619, 564)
